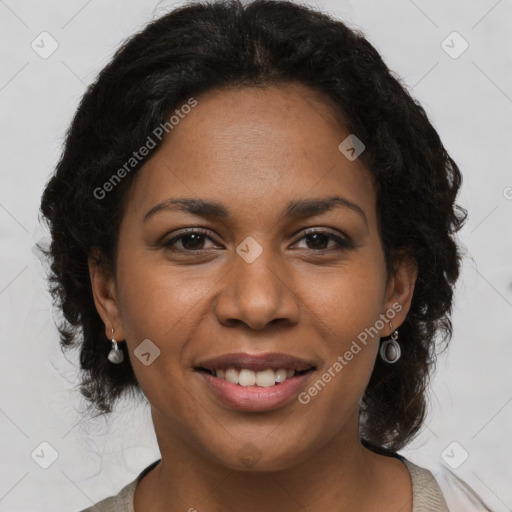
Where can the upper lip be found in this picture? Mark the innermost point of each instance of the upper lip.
(256, 362)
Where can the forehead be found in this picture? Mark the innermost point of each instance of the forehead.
(254, 148)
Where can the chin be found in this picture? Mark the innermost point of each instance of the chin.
(258, 458)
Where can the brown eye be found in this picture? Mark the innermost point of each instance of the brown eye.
(319, 241)
(191, 240)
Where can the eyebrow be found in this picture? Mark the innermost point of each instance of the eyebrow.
(297, 209)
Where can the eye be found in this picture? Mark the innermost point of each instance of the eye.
(191, 240)
(318, 240)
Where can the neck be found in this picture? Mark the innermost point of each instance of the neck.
(339, 475)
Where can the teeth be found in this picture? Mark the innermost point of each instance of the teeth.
(265, 379)
(282, 374)
(232, 375)
(245, 377)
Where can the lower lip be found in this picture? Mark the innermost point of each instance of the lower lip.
(255, 398)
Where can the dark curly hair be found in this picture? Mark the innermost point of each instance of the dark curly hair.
(212, 45)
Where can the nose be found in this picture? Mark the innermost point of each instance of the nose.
(257, 293)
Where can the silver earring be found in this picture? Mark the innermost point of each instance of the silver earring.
(115, 355)
(390, 349)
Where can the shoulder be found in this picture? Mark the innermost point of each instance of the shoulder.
(426, 493)
(442, 491)
(121, 502)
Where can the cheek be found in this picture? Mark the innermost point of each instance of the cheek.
(157, 302)
(160, 306)
(349, 298)
(347, 305)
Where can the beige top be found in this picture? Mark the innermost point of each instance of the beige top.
(427, 495)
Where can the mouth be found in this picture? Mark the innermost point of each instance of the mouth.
(255, 382)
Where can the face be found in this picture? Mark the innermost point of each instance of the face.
(270, 276)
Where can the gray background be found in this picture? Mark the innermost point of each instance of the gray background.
(469, 99)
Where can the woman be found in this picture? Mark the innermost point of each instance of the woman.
(253, 227)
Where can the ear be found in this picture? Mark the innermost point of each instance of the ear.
(400, 289)
(105, 295)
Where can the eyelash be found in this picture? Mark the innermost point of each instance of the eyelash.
(343, 244)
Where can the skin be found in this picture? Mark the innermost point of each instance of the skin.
(255, 149)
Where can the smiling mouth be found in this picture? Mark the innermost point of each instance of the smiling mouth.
(246, 377)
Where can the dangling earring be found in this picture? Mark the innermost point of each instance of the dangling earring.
(390, 349)
(116, 355)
